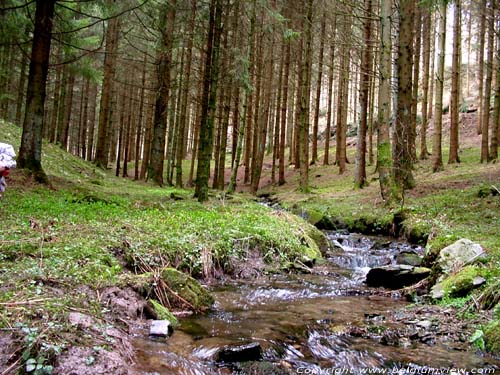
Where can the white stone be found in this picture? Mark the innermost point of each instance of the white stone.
(160, 328)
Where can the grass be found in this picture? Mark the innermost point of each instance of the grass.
(90, 226)
(60, 245)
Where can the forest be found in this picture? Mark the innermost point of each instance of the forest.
(191, 161)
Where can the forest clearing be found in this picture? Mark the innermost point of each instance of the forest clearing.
(249, 187)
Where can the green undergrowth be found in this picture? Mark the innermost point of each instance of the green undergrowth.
(88, 229)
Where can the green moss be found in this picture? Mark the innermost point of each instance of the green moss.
(461, 283)
(492, 336)
(184, 289)
(163, 313)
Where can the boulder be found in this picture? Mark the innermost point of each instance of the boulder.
(437, 291)
(160, 328)
(186, 290)
(239, 353)
(459, 254)
(396, 276)
(410, 258)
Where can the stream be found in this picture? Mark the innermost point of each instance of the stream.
(323, 322)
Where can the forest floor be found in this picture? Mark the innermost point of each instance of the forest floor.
(62, 247)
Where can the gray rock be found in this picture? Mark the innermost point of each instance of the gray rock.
(478, 281)
(410, 258)
(239, 353)
(437, 291)
(160, 328)
(396, 276)
(459, 254)
(425, 324)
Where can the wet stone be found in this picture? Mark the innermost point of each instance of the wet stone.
(239, 353)
(410, 258)
(160, 328)
(396, 276)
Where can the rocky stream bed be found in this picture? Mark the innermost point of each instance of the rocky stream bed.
(320, 322)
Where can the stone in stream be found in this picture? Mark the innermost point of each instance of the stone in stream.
(160, 328)
(410, 258)
(396, 276)
(239, 353)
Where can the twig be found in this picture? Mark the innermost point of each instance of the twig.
(11, 367)
(23, 302)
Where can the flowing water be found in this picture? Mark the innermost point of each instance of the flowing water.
(300, 322)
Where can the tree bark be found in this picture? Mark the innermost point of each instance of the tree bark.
(485, 122)
(402, 158)
(366, 71)
(329, 111)
(438, 111)
(30, 152)
(495, 129)
(480, 62)
(105, 120)
(424, 153)
(314, 152)
(157, 156)
(455, 82)
(209, 101)
(384, 159)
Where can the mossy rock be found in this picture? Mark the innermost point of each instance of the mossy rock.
(319, 239)
(312, 216)
(187, 289)
(417, 233)
(163, 313)
(461, 283)
(492, 336)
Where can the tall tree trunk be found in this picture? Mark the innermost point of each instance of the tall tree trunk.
(485, 156)
(263, 125)
(329, 111)
(30, 153)
(366, 71)
(402, 158)
(21, 90)
(157, 156)
(68, 104)
(105, 120)
(341, 131)
(438, 111)
(257, 109)
(128, 127)
(424, 153)
(455, 82)
(84, 115)
(314, 152)
(384, 160)
(277, 122)
(480, 62)
(295, 149)
(305, 93)
(209, 101)
(91, 117)
(249, 100)
(495, 129)
(284, 107)
(147, 136)
(140, 119)
(415, 84)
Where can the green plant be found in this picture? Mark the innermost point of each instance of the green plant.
(37, 353)
(477, 339)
